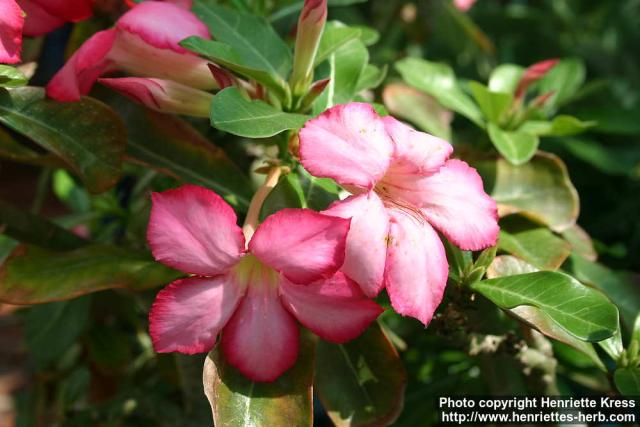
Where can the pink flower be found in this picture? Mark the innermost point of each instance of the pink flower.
(403, 186)
(35, 18)
(254, 294)
(463, 5)
(144, 42)
(534, 73)
(11, 23)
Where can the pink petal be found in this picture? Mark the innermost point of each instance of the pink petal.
(38, 21)
(162, 24)
(463, 5)
(83, 68)
(347, 143)
(194, 230)
(415, 152)
(11, 22)
(261, 339)
(67, 10)
(367, 240)
(334, 309)
(133, 54)
(188, 314)
(417, 268)
(302, 244)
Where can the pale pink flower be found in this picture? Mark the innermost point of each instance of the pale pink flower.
(252, 294)
(403, 185)
(144, 42)
(463, 5)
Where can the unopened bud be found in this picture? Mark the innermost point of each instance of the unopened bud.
(310, 27)
(534, 73)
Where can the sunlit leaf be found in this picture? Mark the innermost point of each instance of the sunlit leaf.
(580, 310)
(237, 401)
(493, 104)
(360, 383)
(516, 147)
(11, 77)
(505, 78)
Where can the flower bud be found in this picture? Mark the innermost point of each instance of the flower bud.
(165, 96)
(310, 27)
(534, 73)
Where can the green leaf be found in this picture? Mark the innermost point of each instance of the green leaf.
(52, 328)
(87, 134)
(224, 55)
(255, 41)
(335, 35)
(539, 189)
(580, 242)
(318, 193)
(233, 113)
(13, 150)
(564, 79)
(619, 287)
(439, 81)
(560, 126)
(505, 78)
(537, 246)
(421, 109)
(628, 381)
(345, 67)
(492, 103)
(30, 228)
(360, 383)
(11, 76)
(580, 310)
(175, 148)
(237, 401)
(286, 194)
(33, 275)
(371, 77)
(296, 7)
(516, 147)
(508, 265)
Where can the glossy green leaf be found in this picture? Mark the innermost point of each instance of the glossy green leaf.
(87, 134)
(612, 159)
(335, 35)
(237, 401)
(564, 79)
(516, 147)
(175, 148)
(14, 150)
(11, 77)
(537, 246)
(33, 275)
(226, 56)
(318, 193)
(505, 78)
(417, 107)
(492, 103)
(286, 194)
(345, 67)
(31, 228)
(439, 81)
(580, 310)
(628, 381)
(255, 41)
(540, 189)
(508, 265)
(560, 126)
(361, 382)
(621, 288)
(231, 112)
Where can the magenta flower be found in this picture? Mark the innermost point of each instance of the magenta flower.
(253, 294)
(403, 186)
(35, 18)
(144, 42)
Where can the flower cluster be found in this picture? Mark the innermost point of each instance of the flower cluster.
(318, 268)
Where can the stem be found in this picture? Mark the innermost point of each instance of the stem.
(253, 215)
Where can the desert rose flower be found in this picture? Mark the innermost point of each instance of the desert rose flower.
(252, 293)
(403, 187)
(463, 5)
(163, 95)
(11, 23)
(144, 42)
